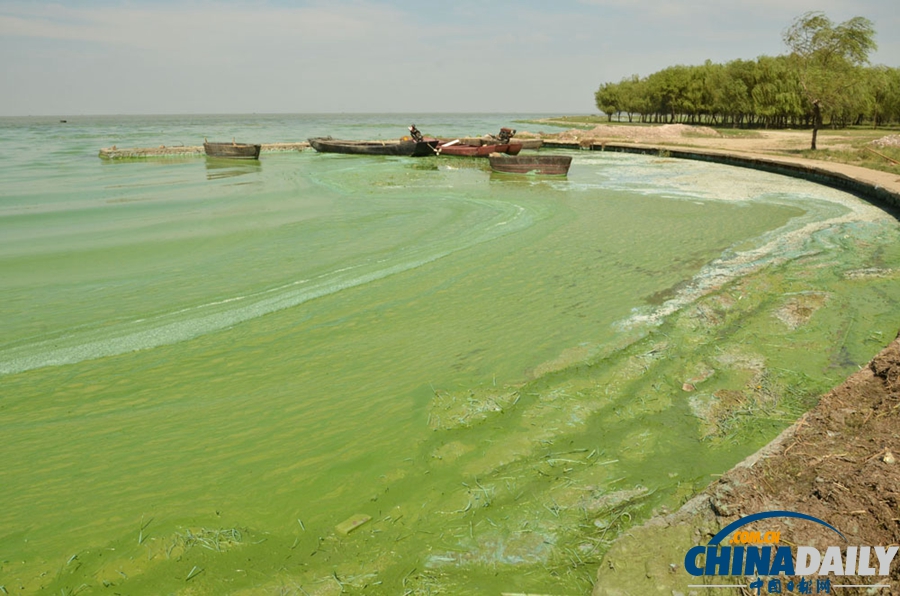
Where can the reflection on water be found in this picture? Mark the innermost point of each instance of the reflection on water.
(223, 167)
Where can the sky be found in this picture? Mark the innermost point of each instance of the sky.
(308, 56)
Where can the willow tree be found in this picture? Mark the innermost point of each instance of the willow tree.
(827, 59)
(883, 96)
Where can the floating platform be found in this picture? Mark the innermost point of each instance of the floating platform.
(186, 151)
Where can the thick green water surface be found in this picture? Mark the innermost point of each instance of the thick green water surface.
(208, 366)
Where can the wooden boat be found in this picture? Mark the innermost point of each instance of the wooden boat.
(411, 148)
(543, 165)
(231, 150)
(465, 150)
(482, 147)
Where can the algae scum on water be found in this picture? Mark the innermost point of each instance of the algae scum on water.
(338, 375)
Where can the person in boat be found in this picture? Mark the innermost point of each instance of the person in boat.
(506, 135)
(415, 134)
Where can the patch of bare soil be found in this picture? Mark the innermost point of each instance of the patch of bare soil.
(759, 141)
(840, 466)
(644, 134)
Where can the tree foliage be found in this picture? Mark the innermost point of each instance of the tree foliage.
(824, 77)
(827, 59)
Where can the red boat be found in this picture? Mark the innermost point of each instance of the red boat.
(502, 143)
(457, 148)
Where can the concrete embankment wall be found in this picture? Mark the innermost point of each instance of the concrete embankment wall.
(859, 181)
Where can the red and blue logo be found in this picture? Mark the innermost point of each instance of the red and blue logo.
(761, 555)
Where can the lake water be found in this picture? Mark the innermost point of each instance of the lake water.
(207, 366)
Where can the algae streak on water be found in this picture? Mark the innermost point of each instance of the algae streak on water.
(208, 377)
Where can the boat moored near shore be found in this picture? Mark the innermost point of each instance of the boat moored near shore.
(502, 143)
(414, 145)
(543, 165)
(231, 150)
(464, 150)
(410, 148)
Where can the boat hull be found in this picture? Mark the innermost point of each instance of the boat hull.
(232, 150)
(543, 165)
(478, 151)
(404, 148)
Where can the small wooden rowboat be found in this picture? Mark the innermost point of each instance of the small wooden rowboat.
(543, 165)
(231, 150)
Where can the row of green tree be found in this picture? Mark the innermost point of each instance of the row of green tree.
(763, 92)
(825, 77)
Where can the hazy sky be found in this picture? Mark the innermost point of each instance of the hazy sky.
(280, 56)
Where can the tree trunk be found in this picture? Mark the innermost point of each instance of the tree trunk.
(817, 122)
